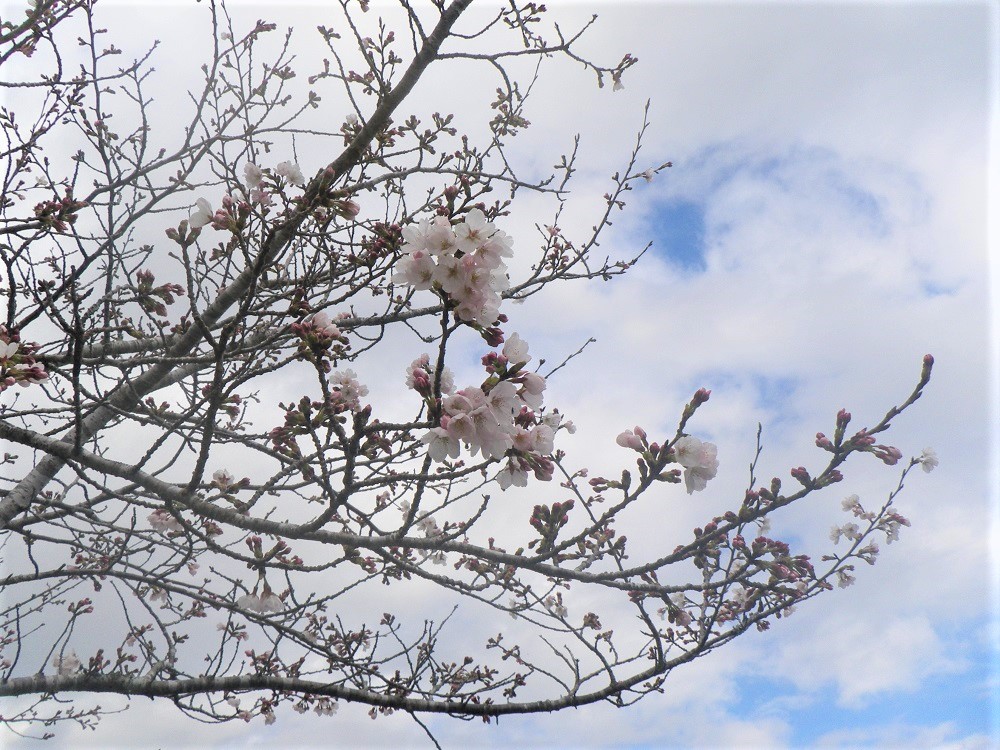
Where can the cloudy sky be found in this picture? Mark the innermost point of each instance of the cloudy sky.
(824, 225)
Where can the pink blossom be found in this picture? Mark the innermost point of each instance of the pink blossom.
(851, 502)
(349, 390)
(322, 323)
(163, 520)
(417, 269)
(543, 439)
(492, 252)
(415, 236)
(629, 439)
(502, 401)
(223, 478)
(844, 579)
(440, 237)
(474, 420)
(269, 602)
(249, 602)
(326, 707)
(261, 197)
(451, 273)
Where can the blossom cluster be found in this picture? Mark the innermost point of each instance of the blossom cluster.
(163, 520)
(18, 365)
(420, 376)
(264, 603)
(347, 391)
(154, 299)
(463, 261)
(67, 664)
(320, 339)
(497, 418)
(230, 216)
(888, 522)
(262, 185)
(698, 458)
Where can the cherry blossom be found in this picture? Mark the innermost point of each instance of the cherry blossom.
(851, 502)
(473, 232)
(533, 385)
(628, 439)
(554, 604)
(440, 444)
(516, 350)
(928, 460)
(848, 531)
(420, 376)
(699, 460)
(291, 172)
(349, 390)
(202, 215)
(252, 175)
(151, 396)
(223, 479)
(67, 664)
(323, 325)
(512, 474)
(163, 520)
(464, 261)
(844, 578)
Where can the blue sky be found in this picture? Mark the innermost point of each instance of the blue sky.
(824, 225)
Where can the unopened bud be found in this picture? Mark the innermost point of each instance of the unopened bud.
(925, 372)
(802, 475)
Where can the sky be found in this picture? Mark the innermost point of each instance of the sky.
(825, 224)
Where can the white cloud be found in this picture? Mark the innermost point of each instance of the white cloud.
(944, 736)
(864, 656)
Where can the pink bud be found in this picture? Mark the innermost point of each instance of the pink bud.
(801, 474)
(628, 440)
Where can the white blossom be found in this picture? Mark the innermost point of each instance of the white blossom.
(67, 664)
(928, 460)
(291, 172)
(202, 215)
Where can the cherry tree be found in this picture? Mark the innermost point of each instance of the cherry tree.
(175, 526)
